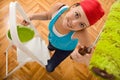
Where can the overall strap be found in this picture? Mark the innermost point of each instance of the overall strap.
(55, 18)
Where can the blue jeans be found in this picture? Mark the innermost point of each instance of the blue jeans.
(57, 57)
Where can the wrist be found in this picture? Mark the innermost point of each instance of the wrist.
(31, 17)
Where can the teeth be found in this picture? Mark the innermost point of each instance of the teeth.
(68, 23)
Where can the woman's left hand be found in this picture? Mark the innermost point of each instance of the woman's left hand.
(84, 50)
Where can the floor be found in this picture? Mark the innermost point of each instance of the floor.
(69, 69)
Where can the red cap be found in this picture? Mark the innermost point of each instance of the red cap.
(92, 9)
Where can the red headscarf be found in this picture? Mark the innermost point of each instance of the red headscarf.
(92, 9)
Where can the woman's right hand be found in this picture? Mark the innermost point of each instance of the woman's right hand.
(25, 23)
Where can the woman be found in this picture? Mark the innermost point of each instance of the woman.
(67, 28)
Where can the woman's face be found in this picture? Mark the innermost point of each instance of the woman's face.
(75, 19)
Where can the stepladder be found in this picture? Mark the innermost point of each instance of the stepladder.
(28, 42)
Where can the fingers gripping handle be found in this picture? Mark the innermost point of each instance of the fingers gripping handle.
(84, 50)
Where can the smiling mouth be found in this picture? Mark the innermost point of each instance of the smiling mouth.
(68, 23)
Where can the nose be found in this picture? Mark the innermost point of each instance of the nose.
(74, 22)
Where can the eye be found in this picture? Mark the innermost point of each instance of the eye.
(76, 15)
(82, 25)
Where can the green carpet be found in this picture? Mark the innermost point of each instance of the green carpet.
(24, 33)
(107, 53)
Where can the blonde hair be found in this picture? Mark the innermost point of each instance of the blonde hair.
(74, 5)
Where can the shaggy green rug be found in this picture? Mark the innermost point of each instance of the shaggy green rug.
(24, 33)
(107, 53)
